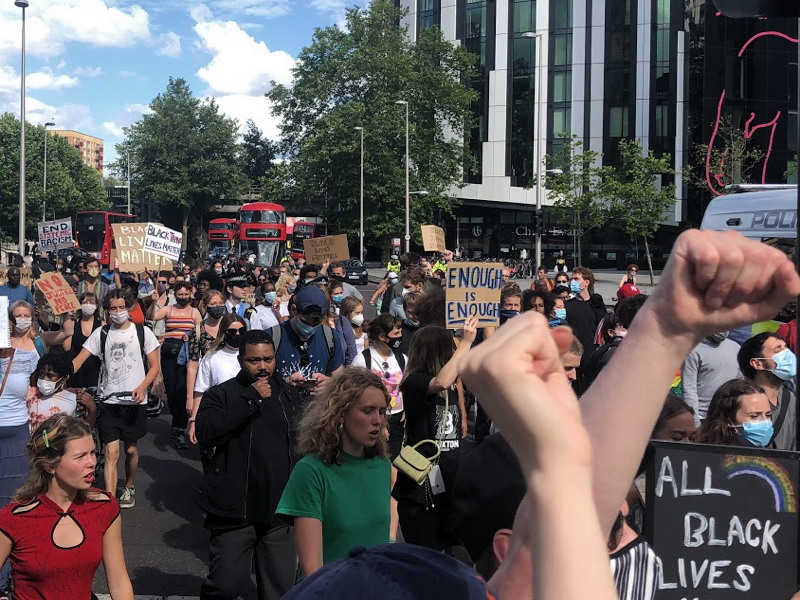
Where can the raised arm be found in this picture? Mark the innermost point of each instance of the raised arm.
(449, 373)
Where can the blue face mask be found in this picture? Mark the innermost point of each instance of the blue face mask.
(306, 329)
(575, 287)
(561, 313)
(270, 297)
(411, 323)
(337, 298)
(756, 433)
(508, 314)
(785, 364)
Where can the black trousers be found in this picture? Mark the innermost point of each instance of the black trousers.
(175, 385)
(234, 552)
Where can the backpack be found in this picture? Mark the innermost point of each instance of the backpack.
(153, 401)
(275, 333)
(401, 360)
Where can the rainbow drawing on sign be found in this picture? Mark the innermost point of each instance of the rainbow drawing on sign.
(769, 471)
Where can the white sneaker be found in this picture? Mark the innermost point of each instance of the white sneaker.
(127, 499)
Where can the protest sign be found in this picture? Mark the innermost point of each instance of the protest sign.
(723, 521)
(473, 289)
(163, 241)
(433, 238)
(129, 250)
(25, 277)
(328, 248)
(54, 235)
(57, 292)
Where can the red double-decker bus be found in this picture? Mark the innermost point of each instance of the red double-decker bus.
(262, 231)
(94, 234)
(299, 229)
(222, 231)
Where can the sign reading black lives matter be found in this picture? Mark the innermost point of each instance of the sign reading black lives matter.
(54, 235)
(723, 521)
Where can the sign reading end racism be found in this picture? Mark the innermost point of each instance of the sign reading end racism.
(328, 248)
(54, 235)
(58, 293)
(723, 521)
(433, 238)
(473, 289)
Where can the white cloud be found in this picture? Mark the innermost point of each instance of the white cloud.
(240, 64)
(113, 128)
(170, 45)
(336, 8)
(256, 8)
(138, 110)
(257, 108)
(85, 71)
(47, 81)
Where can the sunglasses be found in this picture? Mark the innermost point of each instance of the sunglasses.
(234, 331)
(305, 358)
(385, 367)
(162, 281)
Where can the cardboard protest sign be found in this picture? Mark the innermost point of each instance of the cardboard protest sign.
(129, 250)
(25, 277)
(328, 248)
(54, 235)
(723, 521)
(473, 289)
(163, 241)
(57, 292)
(433, 238)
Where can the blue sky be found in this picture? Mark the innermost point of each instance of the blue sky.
(95, 65)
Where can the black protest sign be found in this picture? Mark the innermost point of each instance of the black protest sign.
(723, 521)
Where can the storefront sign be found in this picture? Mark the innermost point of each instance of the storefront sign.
(473, 289)
(723, 521)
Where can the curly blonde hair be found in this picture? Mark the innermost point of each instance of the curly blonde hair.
(320, 426)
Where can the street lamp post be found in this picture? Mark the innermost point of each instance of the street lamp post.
(128, 161)
(361, 204)
(538, 146)
(23, 4)
(408, 206)
(44, 185)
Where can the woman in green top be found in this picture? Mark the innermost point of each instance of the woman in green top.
(338, 494)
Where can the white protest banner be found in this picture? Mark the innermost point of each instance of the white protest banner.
(163, 241)
(54, 235)
(128, 250)
(473, 289)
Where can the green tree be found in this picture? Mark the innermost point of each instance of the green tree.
(184, 155)
(637, 197)
(353, 77)
(258, 153)
(574, 183)
(72, 186)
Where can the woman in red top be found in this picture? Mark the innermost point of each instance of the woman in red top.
(58, 511)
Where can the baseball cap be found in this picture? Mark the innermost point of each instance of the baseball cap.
(393, 572)
(488, 490)
(310, 296)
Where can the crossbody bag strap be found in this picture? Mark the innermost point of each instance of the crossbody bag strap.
(8, 370)
(784, 408)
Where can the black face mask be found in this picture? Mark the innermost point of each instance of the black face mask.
(215, 312)
(394, 343)
(182, 301)
(233, 339)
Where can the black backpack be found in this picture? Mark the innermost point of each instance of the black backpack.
(401, 359)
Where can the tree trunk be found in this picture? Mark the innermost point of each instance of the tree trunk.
(649, 261)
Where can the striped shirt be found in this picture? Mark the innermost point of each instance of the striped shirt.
(178, 326)
(635, 569)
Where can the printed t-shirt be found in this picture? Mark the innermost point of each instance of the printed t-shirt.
(44, 571)
(288, 358)
(216, 368)
(425, 414)
(351, 500)
(40, 408)
(392, 382)
(122, 370)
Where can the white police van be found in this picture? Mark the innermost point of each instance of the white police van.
(761, 212)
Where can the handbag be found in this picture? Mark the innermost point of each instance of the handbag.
(183, 355)
(412, 462)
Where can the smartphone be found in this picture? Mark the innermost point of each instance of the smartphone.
(307, 384)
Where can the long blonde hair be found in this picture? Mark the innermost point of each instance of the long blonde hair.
(320, 426)
(31, 333)
(283, 283)
(46, 449)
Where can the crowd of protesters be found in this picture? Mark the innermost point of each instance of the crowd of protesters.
(394, 447)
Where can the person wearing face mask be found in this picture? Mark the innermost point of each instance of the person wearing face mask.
(413, 280)
(87, 320)
(411, 323)
(710, 364)
(337, 272)
(92, 282)
(510, 307)
(13, 290)
(559, 314)
(766, 360)
(217, 267)
(284, 288)
(131, 362)
(584, 313)
(352, 309)
(338, 322)
(48, 393)
(180, 319)
(310, 273)
(739, 414)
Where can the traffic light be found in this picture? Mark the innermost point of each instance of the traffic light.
(758, 8)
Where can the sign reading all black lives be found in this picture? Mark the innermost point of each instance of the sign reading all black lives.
(723, 521)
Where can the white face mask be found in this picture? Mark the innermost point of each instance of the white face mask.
(22, 324)
(357, 320)
(119, 317)
(88, 309)
(47, 388)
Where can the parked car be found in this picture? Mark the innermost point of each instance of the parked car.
(355, 272)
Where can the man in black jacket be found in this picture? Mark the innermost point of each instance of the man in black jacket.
(250, 420)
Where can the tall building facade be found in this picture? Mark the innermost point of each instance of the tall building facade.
(601, 70)
(91, 148)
